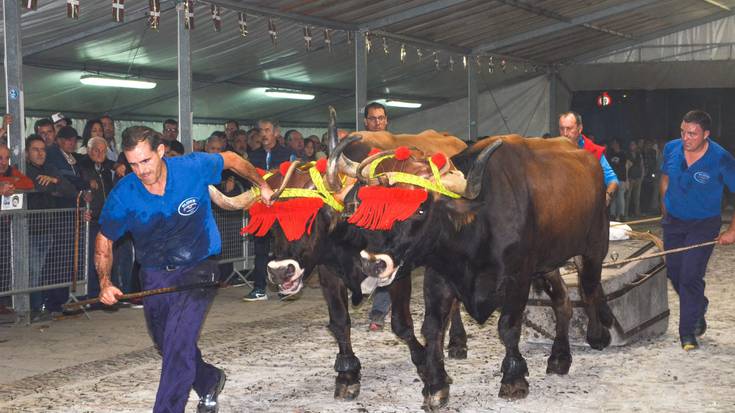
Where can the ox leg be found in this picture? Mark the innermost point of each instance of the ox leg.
(402, 322)
(347, 365)
(457, 348)
(513, 385)
(561, 357)
(438, 298)
(598, 312)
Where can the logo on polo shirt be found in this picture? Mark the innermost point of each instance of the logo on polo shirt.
(701, 177)
(188, 206)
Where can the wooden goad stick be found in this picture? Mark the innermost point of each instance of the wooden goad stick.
(146, 293)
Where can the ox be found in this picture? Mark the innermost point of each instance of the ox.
(524, 212)
(333, 246)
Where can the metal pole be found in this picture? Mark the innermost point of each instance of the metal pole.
(553, 102)
(360, 77)
(184, 84)
(472, 109)
(14, 105)
(14, 80)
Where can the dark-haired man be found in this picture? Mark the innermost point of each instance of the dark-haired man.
(46, 129)
(165, 205)
(695, 171)
(170, 130)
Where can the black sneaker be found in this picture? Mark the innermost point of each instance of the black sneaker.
(256, 294)
(689, 343)
(208, 402)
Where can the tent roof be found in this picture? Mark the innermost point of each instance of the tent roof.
(230, 71)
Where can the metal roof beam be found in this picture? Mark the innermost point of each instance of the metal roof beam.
(619, 47)
(556, 27)
(132, 16)
(410, 14)
(539, 11)
(255, 8)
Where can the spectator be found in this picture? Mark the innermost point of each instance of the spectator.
(108, 125)
(62, 157)
(240, 143)
(198, 146)
(173, 148)
(45, 129)
(7, 121)
(231, 126)
(96, 170)
(51, 191)
(60, 121)
(10, 177)
(255, 139)
(635, 176)
(295, 142)
(170, 130)
(93, 128)
(309, 150)
(269, 156)
(214, 144)
(617, 159)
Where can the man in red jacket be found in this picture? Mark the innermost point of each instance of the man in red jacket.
(11, 178)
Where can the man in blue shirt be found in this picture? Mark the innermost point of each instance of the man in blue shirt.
(165, 205)
(570, 127)
(695, 170)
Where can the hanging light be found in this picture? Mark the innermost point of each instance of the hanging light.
(289, 94)
(401, 104)
(111, 81)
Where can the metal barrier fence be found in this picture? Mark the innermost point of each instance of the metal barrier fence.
(42, 250)
(236, 249)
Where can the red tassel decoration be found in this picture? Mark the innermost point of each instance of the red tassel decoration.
(261, 172)
(321, 165)
(295, 216)
(402, 153)
(374, 151)
(381, 207)
(283, 167)
(439, 159)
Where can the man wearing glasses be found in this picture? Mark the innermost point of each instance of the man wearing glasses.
(170, 130)
(376, 118)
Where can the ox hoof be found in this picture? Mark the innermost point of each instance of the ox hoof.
(598, 338)
(436, 400)
(517, 389)
(346, 392)
(559, 364)
(457, 353)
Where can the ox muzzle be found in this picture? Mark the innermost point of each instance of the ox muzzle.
(287, 275)
(379, 269)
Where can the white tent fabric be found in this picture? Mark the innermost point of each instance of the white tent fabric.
(522, 108)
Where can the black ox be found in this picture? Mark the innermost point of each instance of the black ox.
(526, 210)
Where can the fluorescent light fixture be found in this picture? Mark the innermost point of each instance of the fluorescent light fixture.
(110, 81)
(289, 94)
(402, 104)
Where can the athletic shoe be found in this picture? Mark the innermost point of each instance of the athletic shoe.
(256, 294)
(375, 327)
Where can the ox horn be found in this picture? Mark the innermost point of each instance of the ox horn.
(474, 177)
(284, 182)
(338, 162)
(332, 130)
(236, 203)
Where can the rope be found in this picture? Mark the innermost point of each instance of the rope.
(658, 254)
(640, 221)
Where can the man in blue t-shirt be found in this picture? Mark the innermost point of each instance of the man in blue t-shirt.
(695, 171)
(165, 206)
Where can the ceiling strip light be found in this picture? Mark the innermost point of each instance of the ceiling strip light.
(402, 104)
(109, 81)
(289, 94)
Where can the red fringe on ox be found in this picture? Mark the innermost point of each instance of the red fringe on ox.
(295, 216)
(381, 207)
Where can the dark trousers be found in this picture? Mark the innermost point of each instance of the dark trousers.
(686, 269)
(262, 251)
(174, 321)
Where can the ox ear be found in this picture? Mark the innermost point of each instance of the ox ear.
(462, 212)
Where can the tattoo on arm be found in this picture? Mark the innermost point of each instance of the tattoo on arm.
(103, 259)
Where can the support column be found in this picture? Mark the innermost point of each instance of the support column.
(18, 236)
(360, 78)
(14, 81)
(472, 108)
(553, 102)
(184, 81)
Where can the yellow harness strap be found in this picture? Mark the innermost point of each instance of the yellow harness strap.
(416, 180)
(320, 191)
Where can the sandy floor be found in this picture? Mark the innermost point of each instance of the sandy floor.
(279, 358)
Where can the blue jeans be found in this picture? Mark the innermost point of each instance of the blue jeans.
(686, 269)
(381, 305)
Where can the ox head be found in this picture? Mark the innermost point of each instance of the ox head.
(409, 235)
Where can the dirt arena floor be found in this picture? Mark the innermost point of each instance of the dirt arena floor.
(279, 357)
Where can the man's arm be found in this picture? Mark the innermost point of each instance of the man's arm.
(611, 180)
(663, 186)
(103, 265)
(240, 166)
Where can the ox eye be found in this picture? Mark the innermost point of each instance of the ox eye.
(421, 212)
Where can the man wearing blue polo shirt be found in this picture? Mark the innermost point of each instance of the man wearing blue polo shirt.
(695, 170)
(165, 205)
